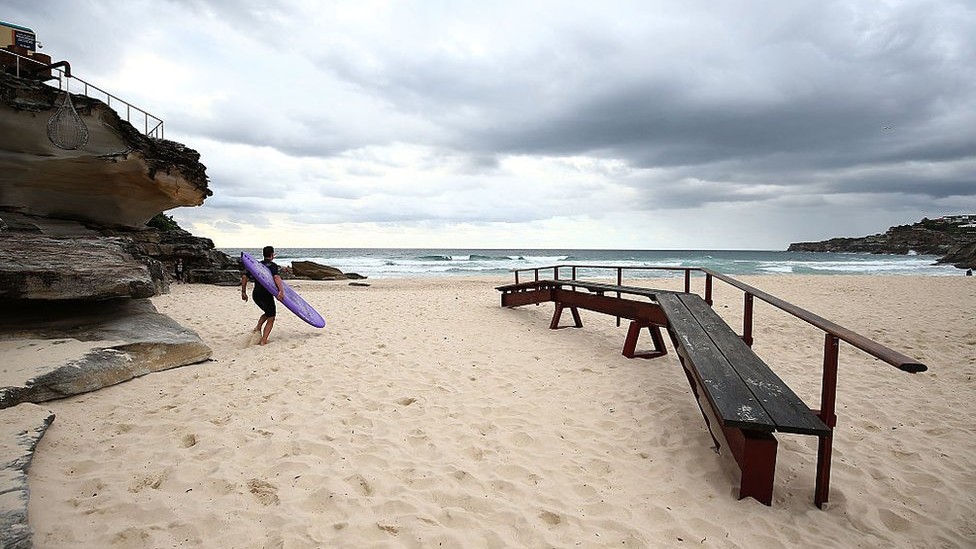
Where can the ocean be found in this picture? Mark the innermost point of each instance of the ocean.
(400, 262)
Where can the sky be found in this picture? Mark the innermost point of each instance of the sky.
(544, 124)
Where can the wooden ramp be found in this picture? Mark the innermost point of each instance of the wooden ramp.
(742, 401)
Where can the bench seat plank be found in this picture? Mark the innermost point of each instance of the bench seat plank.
(530, 285)
(728, 394)
(603, 287)
(788, 410)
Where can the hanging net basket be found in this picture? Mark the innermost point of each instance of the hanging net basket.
(66, 129)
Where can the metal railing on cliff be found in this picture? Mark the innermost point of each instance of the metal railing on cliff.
(152, 126)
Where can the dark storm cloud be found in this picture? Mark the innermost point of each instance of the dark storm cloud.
(795, 104)
(863, 89)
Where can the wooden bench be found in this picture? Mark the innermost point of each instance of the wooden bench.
(643, 314)
(741, 399)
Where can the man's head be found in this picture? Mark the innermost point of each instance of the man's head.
(269, 252)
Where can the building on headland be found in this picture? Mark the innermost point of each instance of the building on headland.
(958, 219)
(23, 57)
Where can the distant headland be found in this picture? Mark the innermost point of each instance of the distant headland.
(953, 237)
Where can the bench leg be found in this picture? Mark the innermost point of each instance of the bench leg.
(554, 325)
(754, 452)
(756, 455)
(633, 332)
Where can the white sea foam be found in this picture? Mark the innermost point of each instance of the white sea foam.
(392, 263)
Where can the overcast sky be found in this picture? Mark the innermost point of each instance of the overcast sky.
(642, 125)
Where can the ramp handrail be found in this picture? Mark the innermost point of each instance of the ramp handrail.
(152, 125)
(869, 346)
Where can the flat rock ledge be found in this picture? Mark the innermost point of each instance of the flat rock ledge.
(21, 428)
(45, 268)
(61, 349)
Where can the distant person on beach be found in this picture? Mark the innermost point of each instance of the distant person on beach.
(179, 270)
(969, 272)
(262, 297)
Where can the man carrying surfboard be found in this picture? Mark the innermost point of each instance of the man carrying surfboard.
(262, 297)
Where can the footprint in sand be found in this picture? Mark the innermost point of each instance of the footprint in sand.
(148, 481)
(360, 484)
(265, 492)
(550, 518)
(189, 441)
(893, 521)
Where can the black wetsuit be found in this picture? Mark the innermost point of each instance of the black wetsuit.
(263, 298)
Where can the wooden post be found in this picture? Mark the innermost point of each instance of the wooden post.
(620, 279)
(555, 272)
(687, 281)
(747, 320)
(828, 401)
(516, 277)
(708, 288)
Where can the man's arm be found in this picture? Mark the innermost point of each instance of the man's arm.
(244, 287)
(281, 287)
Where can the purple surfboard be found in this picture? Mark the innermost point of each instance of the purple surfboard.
(292, 300)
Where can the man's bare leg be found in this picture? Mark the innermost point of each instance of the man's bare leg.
(261, 321)
(267, 331)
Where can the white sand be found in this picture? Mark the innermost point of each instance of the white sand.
(425, 415)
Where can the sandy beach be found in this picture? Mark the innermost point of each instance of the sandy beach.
(425, 415)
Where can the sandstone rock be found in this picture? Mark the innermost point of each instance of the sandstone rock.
(120, 177)
(21, 428)
(315, 271)
(42, 267)
(53, 350)
(157, 249)
(962, 256)
(202, 262)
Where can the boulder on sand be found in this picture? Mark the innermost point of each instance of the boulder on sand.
(315, 271)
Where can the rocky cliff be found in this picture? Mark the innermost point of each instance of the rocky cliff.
(73, 239)
(77, 264)
(120, 177)
(111, 186)
(953, 241)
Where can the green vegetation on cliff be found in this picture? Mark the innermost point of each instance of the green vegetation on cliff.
(163, 222)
